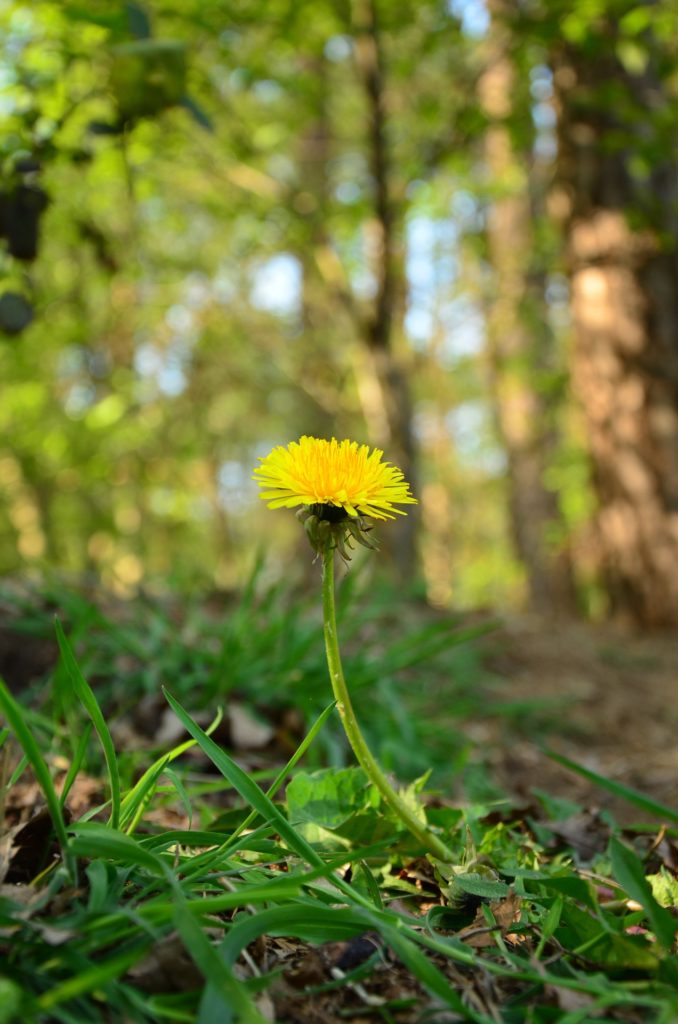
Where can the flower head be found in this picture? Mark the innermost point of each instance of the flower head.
(339, 474)
(336, 482)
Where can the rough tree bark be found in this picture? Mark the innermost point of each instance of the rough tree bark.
(519, 340)
(622, 234)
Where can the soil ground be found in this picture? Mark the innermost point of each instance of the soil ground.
(614, 709)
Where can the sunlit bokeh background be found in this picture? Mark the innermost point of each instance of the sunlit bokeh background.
(207, 268)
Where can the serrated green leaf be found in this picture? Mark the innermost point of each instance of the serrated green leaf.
(329, 797)
(591, 939)
(573, 886)
(664, 888)
(478, 885)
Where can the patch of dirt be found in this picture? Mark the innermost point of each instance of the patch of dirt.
(610, 703)
(312, 987)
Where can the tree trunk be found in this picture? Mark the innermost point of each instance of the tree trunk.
(320, 373)
(385, 390)
(622, 239)
(520, 342)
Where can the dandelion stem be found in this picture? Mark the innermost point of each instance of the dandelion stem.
(355, 737)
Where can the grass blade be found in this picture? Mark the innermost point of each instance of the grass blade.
(89, 702)
(92, 979)
(229, 844)
(14, 715)
(304, 921)
(319, 924)
(291, 764)
(215, 971)
(632, 796)
(628, 871)
(262, 804)
(181, 792)
(245, 785)
(76, 763)
(428, 974)
(17, 773)
(132, 805)
(94, 840)
(157, 913)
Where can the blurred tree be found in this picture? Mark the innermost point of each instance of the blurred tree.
(520, 342)
(227, 260)
(375, 121)
(390, 406)
(616, 72)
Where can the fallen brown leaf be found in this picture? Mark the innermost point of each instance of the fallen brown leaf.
(479, 935)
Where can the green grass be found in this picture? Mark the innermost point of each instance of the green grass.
(264, 648)
(312, 856)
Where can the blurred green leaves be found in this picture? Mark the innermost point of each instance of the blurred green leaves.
(148, 76)
(152, 352)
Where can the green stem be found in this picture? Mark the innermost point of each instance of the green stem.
(355, 737)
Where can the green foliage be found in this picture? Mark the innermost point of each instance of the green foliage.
(77, 949)
(147, 76)
(12, 714)
(89, 702)
(203, 197)
(207, 657)
(160, 165)
(629, 871)
(330, 798)
(182, 155)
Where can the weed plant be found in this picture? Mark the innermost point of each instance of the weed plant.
(119, 916)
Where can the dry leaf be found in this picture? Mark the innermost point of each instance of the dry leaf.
(586, 833)
(248, 732)
(506, 912)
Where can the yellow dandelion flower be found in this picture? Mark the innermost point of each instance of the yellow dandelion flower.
(336, 478)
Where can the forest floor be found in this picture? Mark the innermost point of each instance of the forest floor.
(609, 701)
(603, 698)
